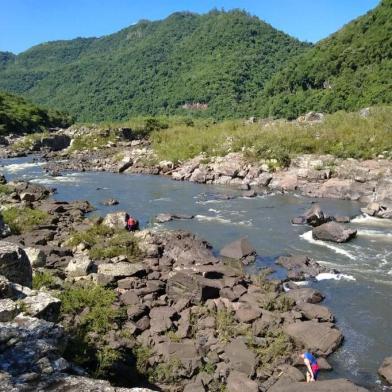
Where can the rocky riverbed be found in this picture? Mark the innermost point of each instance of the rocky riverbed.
(183, 318)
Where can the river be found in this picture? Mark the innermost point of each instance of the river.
(360, 298)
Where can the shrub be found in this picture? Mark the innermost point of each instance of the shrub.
(92, 307)
(142, 355)
(42, 279)
(167, 372)
(105, 242)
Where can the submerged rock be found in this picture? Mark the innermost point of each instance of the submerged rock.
(334, 232)
(110, 202)
(300, 267)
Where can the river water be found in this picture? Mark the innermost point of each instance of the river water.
(360, 297)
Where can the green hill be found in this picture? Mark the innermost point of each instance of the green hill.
(349, 70)
(222, 59)
(19, 116)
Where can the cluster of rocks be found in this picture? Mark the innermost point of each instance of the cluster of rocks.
(200, 314)
(325, 227)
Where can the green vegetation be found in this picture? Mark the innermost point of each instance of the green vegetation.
(222, 59)
(23, 219)
(92, 307)
(344, 135)
(42, 279)
(167, 372)
(349, 70)
(104, 242)
(18, 115)
(277, 345)
(221, 64)
(5, 189)
(142, 355)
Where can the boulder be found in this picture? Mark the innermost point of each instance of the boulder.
(313, 217)
(161, 318)
(192, 287)
(239, 250)
(121, 269)
(338, 385)
(115, 220)
(14, 264)
(379, 210)
(52, 142)
(240, 382)
(36, 257)
(300, 267)
(240, 358)
(42, 305)
(385, 370)
(246, 313)
(313, 311)
(305, 295)
(289, 374)
(334, 232)
(320, 338)
(125, 164)
(8, 310)
(185, 352)
(314, 117)
(5, 230)
(80, 265)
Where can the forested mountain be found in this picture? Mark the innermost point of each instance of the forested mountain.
(18, 116)
(349, 70)
(222, 59)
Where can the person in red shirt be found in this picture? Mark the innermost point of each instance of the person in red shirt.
(132, 224)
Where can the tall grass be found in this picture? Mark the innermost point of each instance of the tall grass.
(344, 135)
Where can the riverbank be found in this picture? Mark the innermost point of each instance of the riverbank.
(223, 312)
(341, 156)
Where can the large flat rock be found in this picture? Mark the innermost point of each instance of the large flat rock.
(320, 338)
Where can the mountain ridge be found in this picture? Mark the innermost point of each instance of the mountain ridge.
(219, 58)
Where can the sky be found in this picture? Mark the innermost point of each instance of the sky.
(24, 23)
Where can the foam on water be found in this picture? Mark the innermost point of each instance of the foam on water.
(213, 219)
(17, 167)
(55, 180)
(309, 238)
(331, 276)
(375, 233)
(371, 220)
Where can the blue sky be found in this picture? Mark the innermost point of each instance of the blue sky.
(24, 23)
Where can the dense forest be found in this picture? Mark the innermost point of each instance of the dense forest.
(348, 70)
(220, 65)
(20, 116)
(221, 59)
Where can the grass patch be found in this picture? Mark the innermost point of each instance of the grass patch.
(42, 279)
(93, 140)
(104, 242)
(142, 355)
(87, 314)
(23, 219)
(5, 189)
(342, 134)
(167, 372)
(27, 142)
